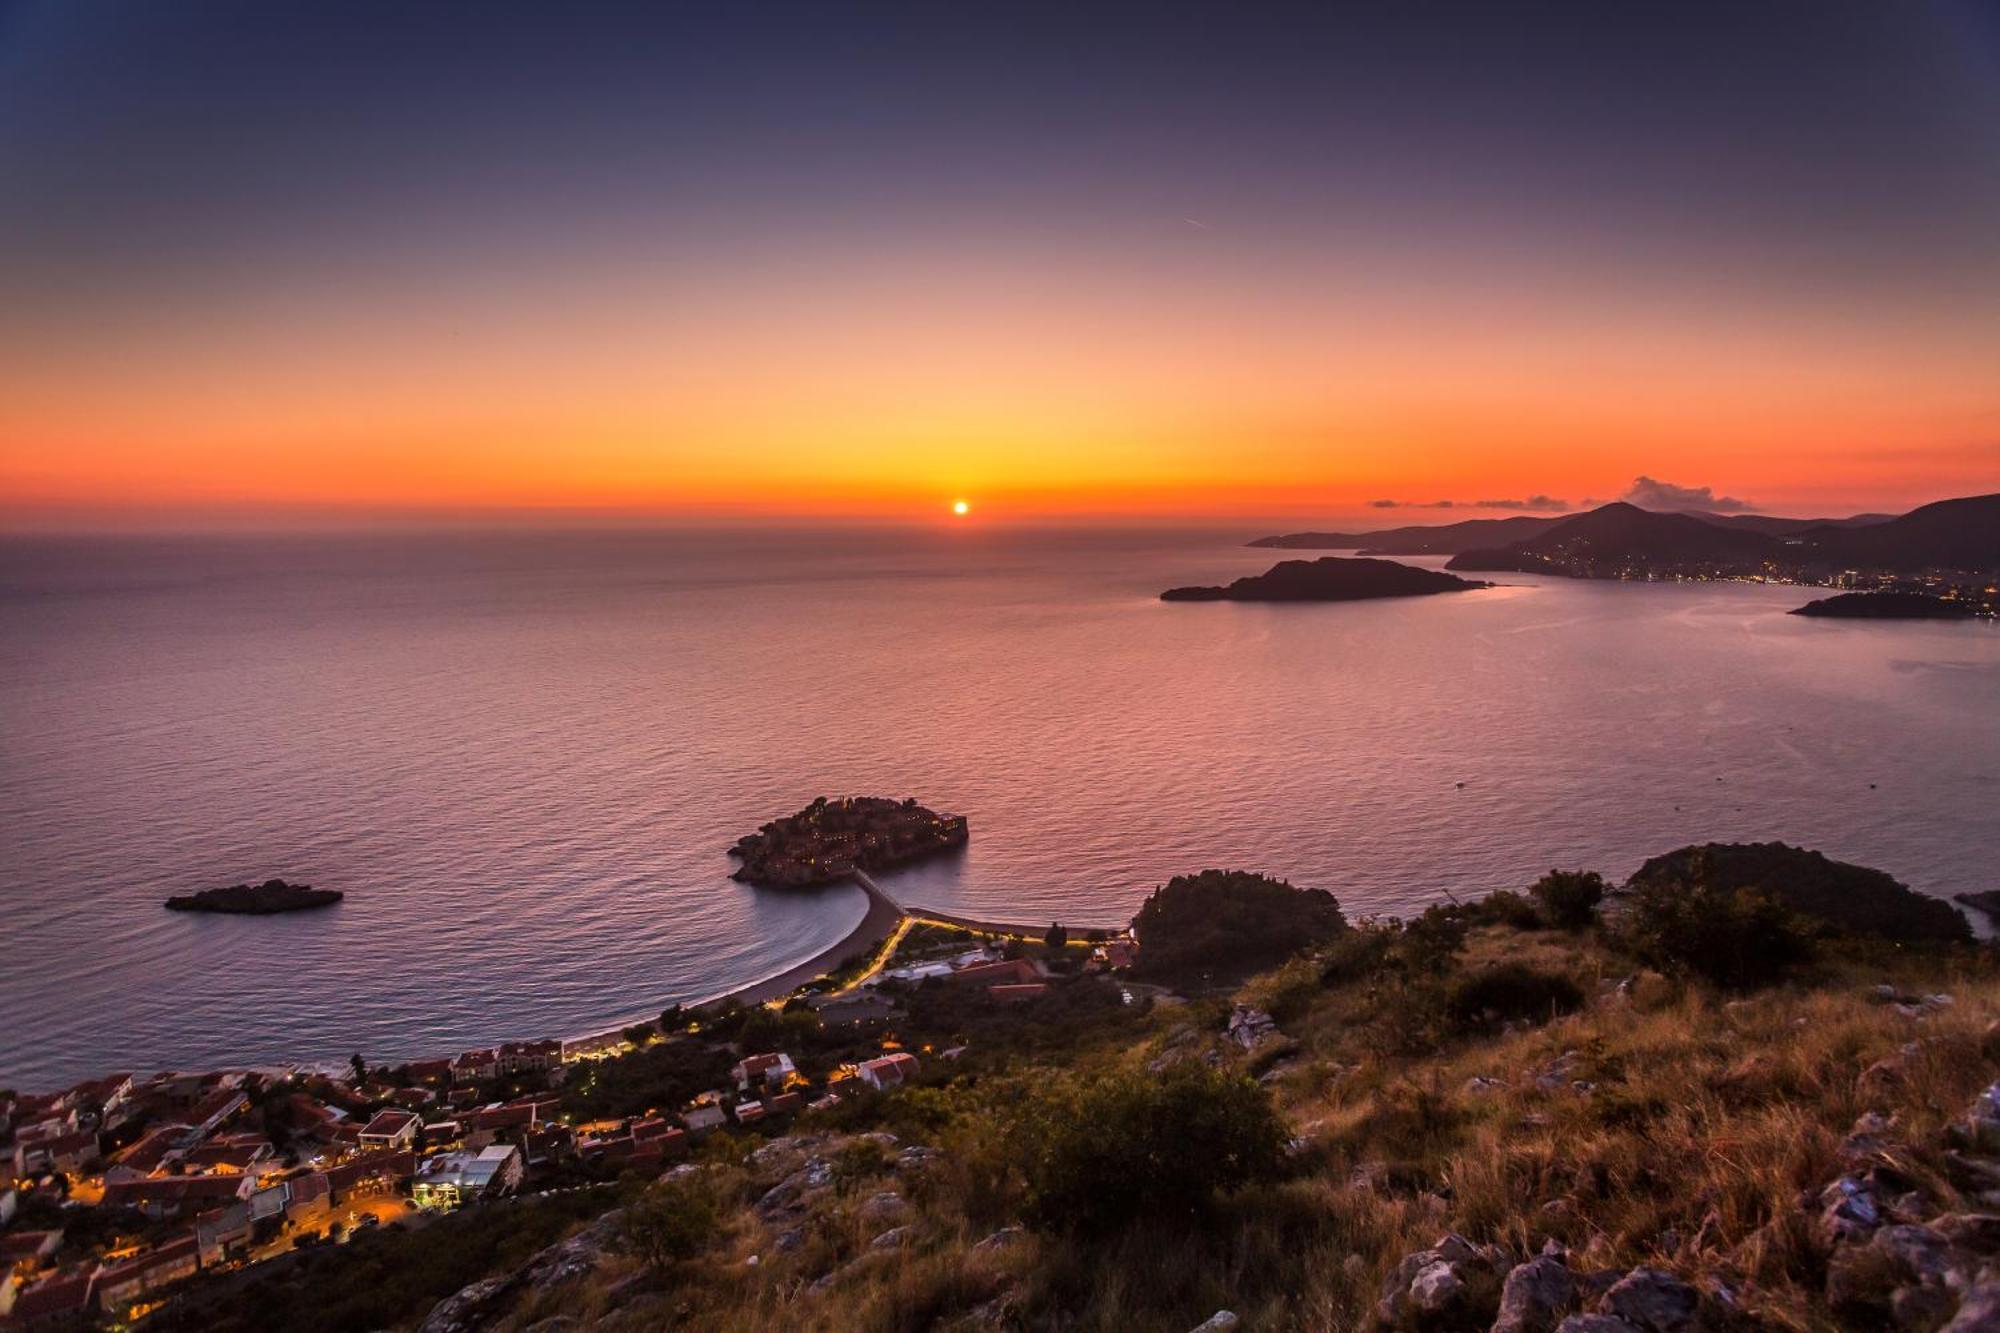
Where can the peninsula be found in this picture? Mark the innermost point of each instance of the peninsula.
(1886, 606)
(826, 842)
(1328, 579)
(266, 899)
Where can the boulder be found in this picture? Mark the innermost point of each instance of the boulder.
(1000, 1239)
(470, 1308)
(883, 1207)
(1534, 1296)
(1595, 1323)
(893, 1239)
(1850, 1211)
(1979, 1307)
(1220, 1322)
(1921, 1251)
(1654, 1300)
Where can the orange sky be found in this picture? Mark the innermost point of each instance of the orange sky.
(1048, 385)
(262, 274)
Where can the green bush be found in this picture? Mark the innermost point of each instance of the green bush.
(1103, 1153)
(673, 1221)
(1504, 907)
(1569, 898)
(1736, 938)
(1510, 992)
(1223, 925)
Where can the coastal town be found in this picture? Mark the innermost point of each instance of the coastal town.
(118, 1193)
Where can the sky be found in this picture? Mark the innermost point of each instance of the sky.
(291, 263)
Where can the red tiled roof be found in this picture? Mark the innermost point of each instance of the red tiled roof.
(388, 1123)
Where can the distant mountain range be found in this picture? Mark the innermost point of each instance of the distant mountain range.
(1474, 534)
(1622, 539)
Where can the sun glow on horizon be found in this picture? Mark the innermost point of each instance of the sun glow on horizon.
(961, 508)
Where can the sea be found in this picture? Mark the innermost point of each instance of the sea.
(523, 757)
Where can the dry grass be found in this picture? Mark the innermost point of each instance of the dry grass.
(1685, 1131)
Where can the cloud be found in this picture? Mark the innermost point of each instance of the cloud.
(1538, 503)
(1648, 493)
(1541, 503)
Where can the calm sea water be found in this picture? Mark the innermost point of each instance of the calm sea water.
(523, 756)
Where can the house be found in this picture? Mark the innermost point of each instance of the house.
(701, 1119)
(889, 1071)
(430, 1071)
(308, 1199)
(785, 1103)
(771, 1069)
(520, 1057)
(71, 1154)
(1033, 990)
(749, 1113)
(106, 1094)
(473, 1066)
(1117, 954)
(121, 1284)
(452, 1179)
(374, 1173)
(237, 1154)
(64, 1301)
(218, 1231)
(174, 1196)
(390, 1130)
(206, 1114)
(1004, 971)
(442, 1133)
(19, 1248)
(148, 1155)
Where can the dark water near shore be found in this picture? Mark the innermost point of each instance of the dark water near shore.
(523, 756)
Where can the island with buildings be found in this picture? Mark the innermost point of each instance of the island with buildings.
(1329, 579)
(266, 899)
(829, 840)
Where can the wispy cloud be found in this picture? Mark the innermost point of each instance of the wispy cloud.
(1528, 504)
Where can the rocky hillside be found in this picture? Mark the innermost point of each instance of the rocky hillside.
(1509, 1116)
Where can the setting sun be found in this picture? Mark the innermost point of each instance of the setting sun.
(961, 508)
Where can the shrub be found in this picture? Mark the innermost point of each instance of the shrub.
(1846, 897)
(1504, 907)
(1736, 938)
(1100, 1154)
(673, 1221)
(1224, 925)
(1429, 944)
(1511, 992)
(1569, 898)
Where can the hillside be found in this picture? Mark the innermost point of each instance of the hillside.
(1474, 1119)
(1951, 534)
(1436, 539)
(1619, 537)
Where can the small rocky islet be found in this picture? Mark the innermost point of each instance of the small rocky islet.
(267, 899)
(1329, 579)
(829, 840)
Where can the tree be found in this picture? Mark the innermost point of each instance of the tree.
(639, 1034)
(1224, 925)
(673, 1018)
(360, 1067)
(1057, 937)
(673, 1221)
(1101, 1153)
(1736, 938)
(1569, 898)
